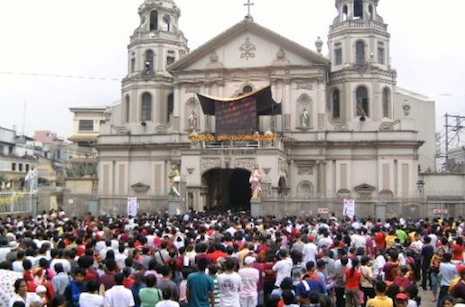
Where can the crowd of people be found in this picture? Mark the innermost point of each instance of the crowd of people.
(229, 260)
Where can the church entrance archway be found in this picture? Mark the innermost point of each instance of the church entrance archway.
(228, 189)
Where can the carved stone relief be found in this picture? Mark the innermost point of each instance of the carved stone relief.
(209, 163)
(192, 89)
(247, 49)
(304, 85)
(248, 164)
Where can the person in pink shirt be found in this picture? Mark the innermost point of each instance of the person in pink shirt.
(249, 287)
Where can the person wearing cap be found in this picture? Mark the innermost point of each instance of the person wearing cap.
(250, 277)
(401, 300)
(380, 300)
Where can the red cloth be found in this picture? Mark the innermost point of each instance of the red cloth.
(217, 255)
(380, 240)
(353, 278)
(457, 252)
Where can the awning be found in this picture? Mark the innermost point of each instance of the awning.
(263, 97)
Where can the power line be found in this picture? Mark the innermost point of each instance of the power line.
(58, 76)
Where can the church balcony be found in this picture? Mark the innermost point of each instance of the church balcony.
(245, 147)
(358, 24)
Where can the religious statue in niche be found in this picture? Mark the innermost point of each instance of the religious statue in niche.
(255, 180)
(305, 119)
(193, 120)
(175, 179)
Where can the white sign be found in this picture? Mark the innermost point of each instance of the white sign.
(349, 208)
(440, 211)
(133, 206)
(323, 211)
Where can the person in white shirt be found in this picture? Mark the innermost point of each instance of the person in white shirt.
(249, 277)
(229, 284)
(118, 295)
(283, 267)
(4, 249)
(21, 294)
(167, 302)
(91, 297)
(310, 250)
(120, 256)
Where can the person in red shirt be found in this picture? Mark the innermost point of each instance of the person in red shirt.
(380, 240)
(353, 278)
(218, 253)
(458, 249)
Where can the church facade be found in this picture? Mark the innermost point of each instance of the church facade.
(346, 130)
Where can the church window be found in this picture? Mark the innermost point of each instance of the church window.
(170, 60)
(345, 13)
(381, 54)
(247, 89)
(127, 108)
(338, 54)
(149, 60)
(360, 52)
(167, 23)
(386, 102)
(170, 101)
(146, 109)
(336, 105)
(362, 101)
(133, 62)
(153, 21)
(358, 9)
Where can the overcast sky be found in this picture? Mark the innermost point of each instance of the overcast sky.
(89, 37)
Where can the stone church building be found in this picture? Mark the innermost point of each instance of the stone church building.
(347, 130)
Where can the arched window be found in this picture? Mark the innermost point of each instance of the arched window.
(146, 107)
(360, 52)
(386, 102)
(336, 105)
(149, 60)
(358, 8)
(362, 101)
(170, 109)
(153, 21)
(133, 62)
(127, 108)
(167, 23)
(345, 13)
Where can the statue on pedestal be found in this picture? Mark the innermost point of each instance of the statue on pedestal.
(174, 178)
(305, 119)
(193, 121)
(255, 181)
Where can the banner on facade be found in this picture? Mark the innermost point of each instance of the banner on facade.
(349, 208)
(133, 206)
(323, 210)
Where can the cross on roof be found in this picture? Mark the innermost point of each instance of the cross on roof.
(249, 4)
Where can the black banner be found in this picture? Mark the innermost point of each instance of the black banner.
(236, 118)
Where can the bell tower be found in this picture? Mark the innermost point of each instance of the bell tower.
(362, 80)
(148, 90)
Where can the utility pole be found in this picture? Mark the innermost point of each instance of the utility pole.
(452, 133)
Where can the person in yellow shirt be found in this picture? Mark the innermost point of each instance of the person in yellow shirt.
(380, 300)
(391, 239)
